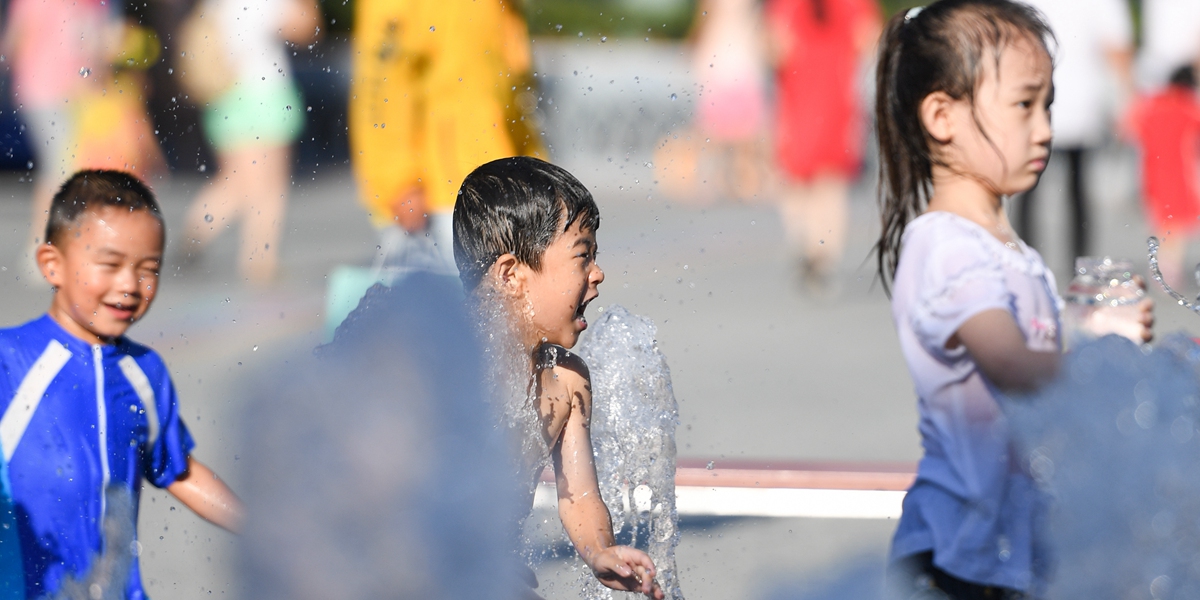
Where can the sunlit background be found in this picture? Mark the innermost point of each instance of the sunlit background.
(782, 352)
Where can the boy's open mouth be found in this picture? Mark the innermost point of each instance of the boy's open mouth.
(580, 320)
(120, 312)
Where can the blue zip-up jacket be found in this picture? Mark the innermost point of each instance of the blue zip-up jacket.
(77, 418)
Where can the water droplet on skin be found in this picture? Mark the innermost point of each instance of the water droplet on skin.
(208, 218)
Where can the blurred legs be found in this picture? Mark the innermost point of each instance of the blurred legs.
(814, 220)
(251, 184)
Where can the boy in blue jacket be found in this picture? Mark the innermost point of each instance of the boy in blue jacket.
(83, 407)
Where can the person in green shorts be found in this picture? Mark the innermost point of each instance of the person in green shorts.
(251, 125)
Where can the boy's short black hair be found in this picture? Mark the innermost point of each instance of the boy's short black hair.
(93, 189)
(1184, 76)
(516, 205)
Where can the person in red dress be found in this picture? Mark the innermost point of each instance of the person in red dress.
(1167, 127)
(819, 125)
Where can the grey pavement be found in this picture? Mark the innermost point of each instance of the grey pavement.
(761, 370)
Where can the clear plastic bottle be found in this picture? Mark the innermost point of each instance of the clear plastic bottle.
(1102, 299)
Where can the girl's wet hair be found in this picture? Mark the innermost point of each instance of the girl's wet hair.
(517, 206)
(92, 189)
(941, 48)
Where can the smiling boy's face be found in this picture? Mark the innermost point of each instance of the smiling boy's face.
(105, 272)
(557, 295)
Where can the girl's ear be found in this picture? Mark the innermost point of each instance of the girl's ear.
(937, 116)
(509, 274)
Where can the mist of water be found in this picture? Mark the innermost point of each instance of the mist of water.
(1113, 441)
(634, 415)
(375, 470)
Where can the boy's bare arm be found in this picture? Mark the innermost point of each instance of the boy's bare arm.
(584, 515)
(202, 491)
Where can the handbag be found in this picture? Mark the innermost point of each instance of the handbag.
(205, 70)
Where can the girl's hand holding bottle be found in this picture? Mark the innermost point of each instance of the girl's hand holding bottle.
(1105, 297)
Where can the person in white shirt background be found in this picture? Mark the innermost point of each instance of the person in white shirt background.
(1093, 79)
(1170, 39)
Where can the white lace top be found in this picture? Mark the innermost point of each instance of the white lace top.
(973, 505)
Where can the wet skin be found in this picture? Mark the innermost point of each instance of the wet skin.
(104, 272)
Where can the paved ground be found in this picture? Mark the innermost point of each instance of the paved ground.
(760, 370)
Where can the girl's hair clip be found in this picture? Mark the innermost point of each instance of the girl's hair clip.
(912, 13)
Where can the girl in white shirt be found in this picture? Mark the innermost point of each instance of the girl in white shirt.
(963, 109)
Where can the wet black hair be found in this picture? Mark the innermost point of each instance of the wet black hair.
(92, 189)
(1184, 76)
(941, 48)
(519, 206)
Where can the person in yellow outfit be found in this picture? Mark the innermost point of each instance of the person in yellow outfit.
(434, 94)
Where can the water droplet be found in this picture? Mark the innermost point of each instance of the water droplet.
(203, 168)
(288, 107)
(432, 28)
(673, 97)
(84, 72)
(29, 165)
(603, 38)
(208, 218)
(255, 349)
(709, 466)
(558, 27)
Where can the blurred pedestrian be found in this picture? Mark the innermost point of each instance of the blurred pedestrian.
(428, 102)
(1166, 125)
(253, 115)
(820, 128)
(1170, 37)
(724, 147)
(112, 128)
(1093, 78)
(53, 47)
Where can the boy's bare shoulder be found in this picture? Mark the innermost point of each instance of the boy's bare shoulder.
(558, 366)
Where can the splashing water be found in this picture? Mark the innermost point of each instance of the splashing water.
(508, 379)
(109, 573)
(1152, 247)
(634, 415)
